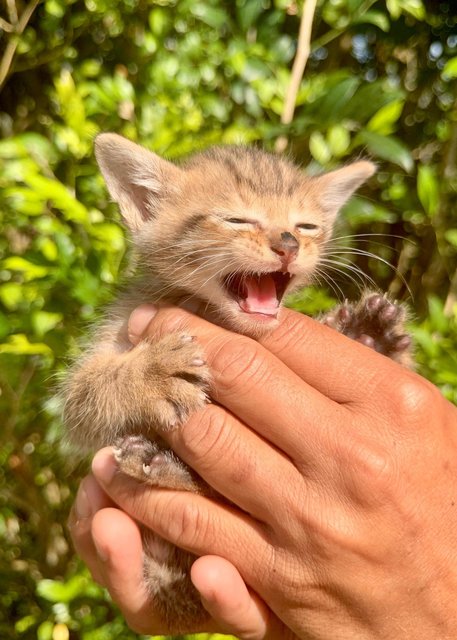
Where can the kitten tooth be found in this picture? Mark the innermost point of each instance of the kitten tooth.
(185, 337)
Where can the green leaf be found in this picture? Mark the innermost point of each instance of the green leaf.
(11, 294)
(19, 345)
(249, 12)
(335, 101)
(212, 16)
(57, 591)
(370, 98)
(44, 631)
(438, 318)
(428, 189)
(44, 321)
(4, 325)
(387, 148)
(374, 17)
(450, 69)
(319, 148)
(394, 8)
(54, 8)
(383, 120)
(362, 211)
(25, 623)
(158, 21)
(29, 270)
(338, 140)
(451, 236)
(414, 8)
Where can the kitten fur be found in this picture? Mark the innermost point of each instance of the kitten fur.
(236, 229)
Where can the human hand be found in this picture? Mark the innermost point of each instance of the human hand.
(345, 481)
(109, 542)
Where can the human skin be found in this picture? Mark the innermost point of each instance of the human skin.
(342, 469)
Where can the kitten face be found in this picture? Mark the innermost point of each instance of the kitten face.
(235, 227)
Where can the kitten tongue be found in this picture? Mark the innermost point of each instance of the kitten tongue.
(260, 295)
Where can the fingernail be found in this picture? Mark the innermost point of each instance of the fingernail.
(139, 321)
(102, 555)
(83, 507)
(104, 466)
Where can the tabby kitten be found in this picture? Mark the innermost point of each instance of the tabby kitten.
(236, 229)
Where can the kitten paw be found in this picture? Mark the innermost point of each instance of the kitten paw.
(175, 378)
(155, 464)
(377, 323)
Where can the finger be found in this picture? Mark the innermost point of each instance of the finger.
(285, 406)
(233, 609)
(239, 464)
(237, 610)
(89, 500)
(315, 352)
(190, 521)
(120, 551)
(337, 366)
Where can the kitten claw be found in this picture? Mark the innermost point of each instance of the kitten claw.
(344, 314)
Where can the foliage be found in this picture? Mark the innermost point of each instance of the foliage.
(178, 76)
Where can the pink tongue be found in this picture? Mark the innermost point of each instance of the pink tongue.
(261, 295)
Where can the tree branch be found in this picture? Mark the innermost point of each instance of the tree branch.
(10, 50)
(298, 68)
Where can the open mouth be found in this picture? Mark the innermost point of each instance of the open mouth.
(258, 293)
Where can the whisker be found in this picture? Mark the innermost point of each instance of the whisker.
(319, 274)
(351, 274)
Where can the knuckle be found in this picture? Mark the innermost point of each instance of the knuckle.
(206, 437)
(371, 472)
(137, 497)
(291, 332)
(239, 364)
(167, 320)
(186, 524)
(413, 399)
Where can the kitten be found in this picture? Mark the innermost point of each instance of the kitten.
(235, 228)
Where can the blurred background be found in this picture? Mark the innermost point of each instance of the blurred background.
(178, 76)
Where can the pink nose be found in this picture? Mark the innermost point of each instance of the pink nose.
(286, 247)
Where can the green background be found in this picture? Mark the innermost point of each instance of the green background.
(179, 76)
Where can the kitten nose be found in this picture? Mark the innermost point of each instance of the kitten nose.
(286, 247)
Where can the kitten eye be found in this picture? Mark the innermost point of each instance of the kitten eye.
(242, 222)
(238, 221)
(307, 228)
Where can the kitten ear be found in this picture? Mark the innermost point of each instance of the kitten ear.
(136, 178)
(335, 188)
